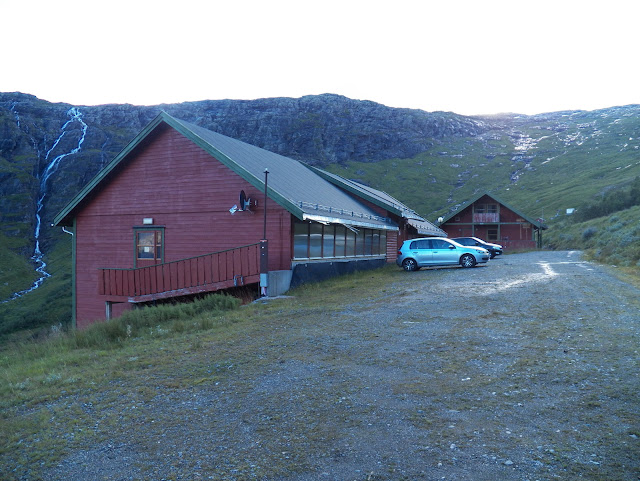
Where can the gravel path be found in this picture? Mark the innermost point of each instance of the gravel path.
(526, 369)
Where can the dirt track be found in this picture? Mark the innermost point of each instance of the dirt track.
(526, 369)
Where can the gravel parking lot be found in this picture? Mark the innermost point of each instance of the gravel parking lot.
(525, 369)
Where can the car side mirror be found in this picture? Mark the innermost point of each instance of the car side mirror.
(452, 247)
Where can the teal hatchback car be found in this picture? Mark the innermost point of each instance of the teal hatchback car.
(438, 251)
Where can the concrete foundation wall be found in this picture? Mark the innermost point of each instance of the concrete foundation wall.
(318, 271)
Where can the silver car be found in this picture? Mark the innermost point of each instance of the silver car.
(438, 251)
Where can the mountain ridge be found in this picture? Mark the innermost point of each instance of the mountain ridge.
(431, 161)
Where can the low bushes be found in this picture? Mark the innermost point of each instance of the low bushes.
(196, 315)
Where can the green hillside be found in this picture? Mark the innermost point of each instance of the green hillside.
(543, 164)
(48, 305)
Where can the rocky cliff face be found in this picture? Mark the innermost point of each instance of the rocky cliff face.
(49, 151)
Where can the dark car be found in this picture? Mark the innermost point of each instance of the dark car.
(494, 249)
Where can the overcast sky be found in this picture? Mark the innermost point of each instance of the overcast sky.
(466, 56)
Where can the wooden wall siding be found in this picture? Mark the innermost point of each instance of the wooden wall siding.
(392, 246)
(183, 189)
(206, 273)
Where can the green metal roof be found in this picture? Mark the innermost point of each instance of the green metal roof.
(384, 200)
(291, 184)
(536, 223)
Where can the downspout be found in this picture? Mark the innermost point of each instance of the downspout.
(73, 272)
(73, 276)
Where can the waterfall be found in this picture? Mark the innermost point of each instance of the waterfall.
(74, 115)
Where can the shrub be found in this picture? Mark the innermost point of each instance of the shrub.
(132, 323)
(615, 227)
(588, 233)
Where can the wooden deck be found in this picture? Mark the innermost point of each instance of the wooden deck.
(205, 273)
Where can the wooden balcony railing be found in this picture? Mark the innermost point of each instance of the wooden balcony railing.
(486, 218)
(205, 273)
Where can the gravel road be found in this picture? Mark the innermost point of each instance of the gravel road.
(525, 369)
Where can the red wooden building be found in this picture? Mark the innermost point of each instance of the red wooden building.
(493, 220)
(181, 210)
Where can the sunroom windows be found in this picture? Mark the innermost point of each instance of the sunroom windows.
(318, 241)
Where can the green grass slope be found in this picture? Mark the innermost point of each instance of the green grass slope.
(48, 305)
(613, 239)
(16, 272)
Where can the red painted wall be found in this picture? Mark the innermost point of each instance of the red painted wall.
(184, 189)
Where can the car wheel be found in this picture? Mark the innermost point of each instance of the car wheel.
(467, 260)
(409, 265)
(491, 256)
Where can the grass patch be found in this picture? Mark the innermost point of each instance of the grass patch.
(34, 313)
(613, 240)
(291, 385)
(16, 272)
(156, 320)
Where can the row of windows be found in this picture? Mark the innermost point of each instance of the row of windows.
(318, 240)
(309, 241)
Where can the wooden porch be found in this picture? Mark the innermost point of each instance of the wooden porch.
(206, 273)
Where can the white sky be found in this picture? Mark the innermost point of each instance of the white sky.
(466, 56)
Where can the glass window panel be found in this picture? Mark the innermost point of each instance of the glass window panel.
(315, 240)
(340, 240)
(368, 242)
(300, 241)
(351, 244)
(375, 249)
(439, 244)
(383, 242)
(360, 242)
(327, 241)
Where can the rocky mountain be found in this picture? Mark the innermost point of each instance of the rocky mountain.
(49, 151)
(433, 161)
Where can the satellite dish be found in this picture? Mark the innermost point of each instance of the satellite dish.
(440, 219)
(243, 200)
